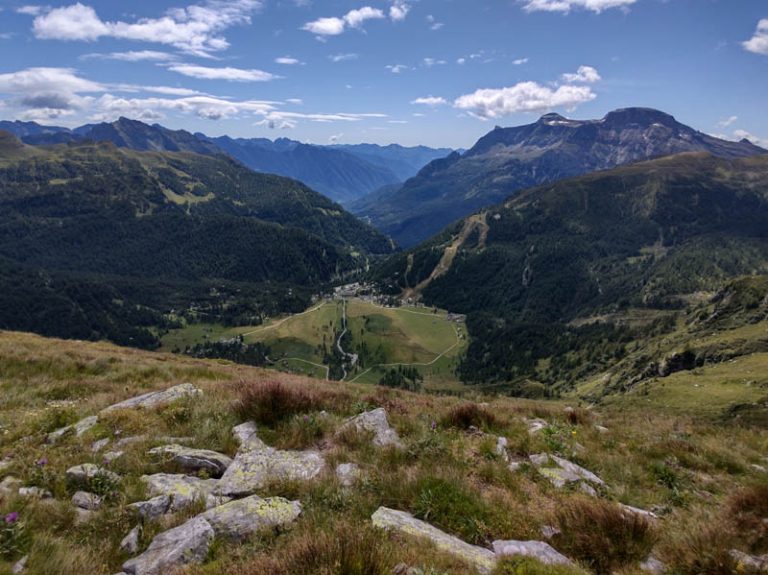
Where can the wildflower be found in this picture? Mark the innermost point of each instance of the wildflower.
(12, 517)
(42, 462)
(573, 432)
(433, 425)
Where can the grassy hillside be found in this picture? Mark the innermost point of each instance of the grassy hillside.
(704, 477)
(644, 239)
(162, 233)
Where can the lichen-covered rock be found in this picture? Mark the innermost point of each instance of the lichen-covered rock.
(348, 474)
(480, 558)
(561, 471)
(156, 398)
(130, 543)
(99, 445)
(83, 474)
(85, 500)
(78, 429)
(152, 509)
(536, 425)
(653, 565)
(183, 490)
(375, 422)
(246, 436)
(252, 470)
(35, 493)
(184, 545)
(539, 550)
(240, 519)
(753, 562)
(192, 460)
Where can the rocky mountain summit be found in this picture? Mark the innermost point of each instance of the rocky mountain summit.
(507, 160)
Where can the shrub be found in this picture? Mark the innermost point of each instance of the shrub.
(468, 415)
(747, 510)
(270, 402)
(704, 549)
(602, 535)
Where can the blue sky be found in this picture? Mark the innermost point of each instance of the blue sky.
(435, 72)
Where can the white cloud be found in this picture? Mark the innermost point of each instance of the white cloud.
(430, 101)
(133, 56)
(461, 61)
(584, 75)
(520, 61)
(724, 123)
(343, 57)
(396, 68)
(166, 90)
(29, 10)
(335, 25)
(429, 62)
(288, 61)
(45, 93)
(398, 11)
(195, 29)
(335, 138)
(566, 6)
(744, 135)
(433, 23)
(759, 42)
(295, 101)
(325, 26)
(522, 97)
(228, 74)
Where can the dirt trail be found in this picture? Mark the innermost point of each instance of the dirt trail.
(478, 221)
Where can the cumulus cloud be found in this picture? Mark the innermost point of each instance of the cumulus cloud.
(433, 23)
(430, 101)
(584, 75)
(429, 62)
(566, 6)
(520, 61)
(133, 56)
(396, 68)
(228, 74)
(45, 93)
(335, 25)
(744, 135)
(759, 42)
(195, 29)
(522, 97)
(398, 11)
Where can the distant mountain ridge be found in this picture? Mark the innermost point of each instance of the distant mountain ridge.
(343, 173)
(510, 159)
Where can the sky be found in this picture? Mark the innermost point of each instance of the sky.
(432, 72)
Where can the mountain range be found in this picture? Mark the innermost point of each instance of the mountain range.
(138, 218)
(507, 160)
(343, 173)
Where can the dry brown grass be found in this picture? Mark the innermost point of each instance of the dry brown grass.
(747, 510)
(468, 415)
(271, 402)
(602, 535)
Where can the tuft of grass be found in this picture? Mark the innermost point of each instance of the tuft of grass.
(602, 535)
(469, 415)
(529, 566)
(704, 547)
(346, 549)
(271, 402)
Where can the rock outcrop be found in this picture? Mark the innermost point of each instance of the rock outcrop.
(194, 460)
(238, 520)
(560, 471)
(156, 398)
(375, 422)
(539, 550)
(253, 470)
(480, 558)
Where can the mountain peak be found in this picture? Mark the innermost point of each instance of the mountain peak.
(639, 116)
(552, 117)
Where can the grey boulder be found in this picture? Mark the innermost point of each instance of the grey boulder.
(184, 545)
(539, 550)
(193, 460)
(375, 422)
(240, 519)
(156, 398)
(252, 471)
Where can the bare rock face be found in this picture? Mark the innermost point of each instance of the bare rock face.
(240, 519)
(375, 422)
(180, 491)
(184, 545)
(539, 550)
(193, 460)
(253, 470)
(156, 398)
(480, 558)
